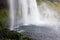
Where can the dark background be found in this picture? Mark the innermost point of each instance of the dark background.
(3, 4)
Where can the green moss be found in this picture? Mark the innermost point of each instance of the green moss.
(6, 34)
(3, 14)
(39, 1)
(12, 35)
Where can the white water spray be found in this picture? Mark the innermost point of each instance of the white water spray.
(48, 15)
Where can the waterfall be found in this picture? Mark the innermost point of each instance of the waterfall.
(30, 14)
(26, 18)
(26, 11)
(12, 14)
(34, 14)
(13, 9)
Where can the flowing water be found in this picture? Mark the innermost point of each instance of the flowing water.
(34, 15)
(39, 24)
(12, 14)
(27, 11)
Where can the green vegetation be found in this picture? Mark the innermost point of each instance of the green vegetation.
(3, 15)
(39, 1)
(12, 35)
(6, 34)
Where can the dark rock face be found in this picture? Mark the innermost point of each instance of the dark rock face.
(3, 4)
(40, 32)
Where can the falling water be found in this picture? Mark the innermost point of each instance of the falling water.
(34, 13)
(12, 14)
(27, 9)
(24, 11)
